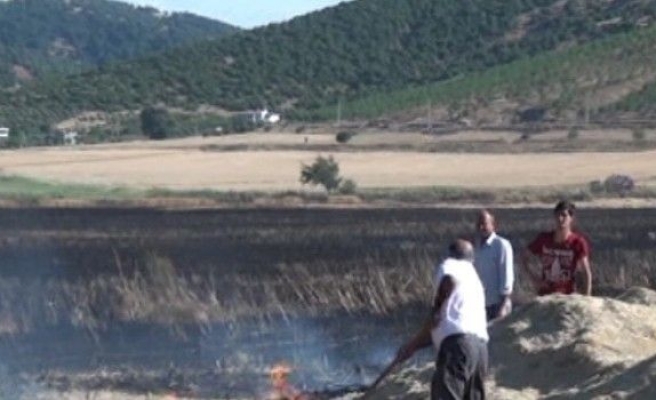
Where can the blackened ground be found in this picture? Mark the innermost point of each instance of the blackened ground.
(69, 248)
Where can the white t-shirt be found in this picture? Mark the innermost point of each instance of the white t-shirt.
(464, 310)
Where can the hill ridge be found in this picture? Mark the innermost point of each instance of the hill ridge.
(40, 37)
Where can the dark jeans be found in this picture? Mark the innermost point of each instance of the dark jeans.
(492, 311)
(461, 368)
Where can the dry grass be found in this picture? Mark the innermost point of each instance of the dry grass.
(192, 169)
(165, 297)
(366, 138)
(203, 266)
(364, 261)
(161, 295)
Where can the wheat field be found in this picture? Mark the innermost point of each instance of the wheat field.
(183, 164)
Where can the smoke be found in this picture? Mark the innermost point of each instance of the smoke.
(14, 387)
(330, 353)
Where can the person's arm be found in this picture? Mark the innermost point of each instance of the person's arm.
(526, 261)
(584, 266)
(443, 293)
(507, 281)
(423, 339)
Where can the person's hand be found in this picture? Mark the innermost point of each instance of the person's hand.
(536, 281)
(505, 309)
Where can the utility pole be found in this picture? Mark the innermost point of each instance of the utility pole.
(587, 109)
(339, 112)
(430, 116)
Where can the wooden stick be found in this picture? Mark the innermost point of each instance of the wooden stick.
(380, 378)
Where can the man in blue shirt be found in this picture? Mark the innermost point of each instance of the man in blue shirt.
(495, 266)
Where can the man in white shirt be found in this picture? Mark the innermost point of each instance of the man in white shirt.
(457, 328)
(494, 262)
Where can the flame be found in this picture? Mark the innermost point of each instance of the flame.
(282, 389)
(279, 374)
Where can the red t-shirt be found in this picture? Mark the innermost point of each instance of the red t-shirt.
(559, 261)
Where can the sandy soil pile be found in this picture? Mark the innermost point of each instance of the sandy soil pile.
(563, 347)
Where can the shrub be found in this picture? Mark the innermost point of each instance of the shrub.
(619, 184)
(324, 172)
(344, 136)
(156, 123)
(597, 187)
(638, 134)
(242, 123)
(573, 134)
(348, 187)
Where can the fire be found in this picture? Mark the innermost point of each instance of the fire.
(282, 389)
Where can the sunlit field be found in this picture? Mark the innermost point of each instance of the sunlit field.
(256, 163)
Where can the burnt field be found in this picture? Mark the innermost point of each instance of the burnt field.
(194, 301)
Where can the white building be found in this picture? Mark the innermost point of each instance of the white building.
(273, 118)
(4, 133)
(265, 116)
(69, 138)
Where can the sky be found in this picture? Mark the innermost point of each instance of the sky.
(243, 13)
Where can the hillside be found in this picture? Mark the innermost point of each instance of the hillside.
(562, 348)
(603, 81)
(349, 51)
(38, 37)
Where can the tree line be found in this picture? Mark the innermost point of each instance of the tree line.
(69, 36)
(350, 51)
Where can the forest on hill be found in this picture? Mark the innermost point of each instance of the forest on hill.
(41, 37)
(354, 51)
(607, 79)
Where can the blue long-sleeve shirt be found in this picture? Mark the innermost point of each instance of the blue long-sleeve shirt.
(495, 266)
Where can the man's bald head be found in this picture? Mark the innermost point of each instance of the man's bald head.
(461, 249)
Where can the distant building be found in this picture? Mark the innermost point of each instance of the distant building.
(273, 118)
(264, 116)
(69, 138)
(4, 137)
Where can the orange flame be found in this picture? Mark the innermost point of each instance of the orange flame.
(282, 389)
(279, 374)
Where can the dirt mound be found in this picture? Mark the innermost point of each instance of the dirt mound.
(564, 347)
(638, 295)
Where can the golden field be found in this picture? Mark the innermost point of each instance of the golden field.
(203, 163)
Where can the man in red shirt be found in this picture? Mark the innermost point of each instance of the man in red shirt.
(562, 253)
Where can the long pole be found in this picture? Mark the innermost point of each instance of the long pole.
(380, 378)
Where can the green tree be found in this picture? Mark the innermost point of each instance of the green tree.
(323, 171)
(16, 138)
(156, 123)
(638, 134)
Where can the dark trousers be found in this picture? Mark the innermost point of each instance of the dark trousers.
(492, 311)
(461, 368)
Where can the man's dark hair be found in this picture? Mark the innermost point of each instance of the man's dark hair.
(461, 250)
(565, 205)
